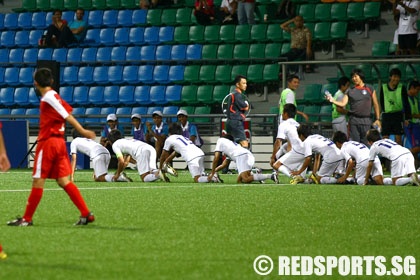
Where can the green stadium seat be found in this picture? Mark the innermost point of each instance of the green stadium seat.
(380, 71)
(313, 112)
(184, 16)
(43, 5)
(27, 5)
(274, 33)
(196, 34)
(331, 87)
(259, 33)
(128, 4)
(154, 17)
(380, 48)
(56, 4)
(312, 95)
(207, 73)
(255, 73)
(227, 33)
(339, 11)
(243, 33)
(99, 4)
(191, 73)
(271, 72)
(322, 31)
(212, 34)
(85, 5)
(223, 74)
(181, 34)
(285, 47)
(205, 94)
(325, 113)
(209, 52)
(307, 11)
(241, 51)
(202, 110)
(169, 16)
(322, 12)
(338, 30)
(238, 70)
(412, 72)
(272, 50)
(112, 4)
(70, 5)
(225, 52)
(355, 11)
(257, 51)
(189, 94)
(220, 92)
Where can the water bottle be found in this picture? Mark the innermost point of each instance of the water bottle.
(377, 128)
(327, 94)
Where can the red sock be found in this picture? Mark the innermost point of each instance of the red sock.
(75, 196)
(33, 201)
(1, 248)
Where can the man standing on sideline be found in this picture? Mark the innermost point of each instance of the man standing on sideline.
(288, 95)
(407, 11)
(392, 96)
(4, 166)
(339, 118)
(237, 106)
(361, 98)
(51, 157)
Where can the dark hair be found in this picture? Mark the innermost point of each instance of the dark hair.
(414, 84)
(395, 71)
(114, 135)
(175, 128)
(359, 73)
(229, 136)
(290, 110)
(343, 81)
(75, 133)
(44, 77)
(339, 137)
(304, 130)
(291, 77)
(238, 79)
(373, 135)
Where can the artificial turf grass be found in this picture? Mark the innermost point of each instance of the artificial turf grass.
(183, 230)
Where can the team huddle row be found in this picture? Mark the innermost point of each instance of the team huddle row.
(340, 157)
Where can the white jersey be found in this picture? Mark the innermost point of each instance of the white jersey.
(183, 146)
(319, 144)
(388, 149)
(132, 147)
(230, 149)
(87, 147)
(288, 131)
(355, 150)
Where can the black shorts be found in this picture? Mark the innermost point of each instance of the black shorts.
(407, 41)
(393, 123)
(236, 129)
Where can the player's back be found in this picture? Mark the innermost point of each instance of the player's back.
(230, 148)
(319, 144)
(358, 151)
(127, 146)
(183, 146)
(87, 146)
(288, 130)
(388, 149)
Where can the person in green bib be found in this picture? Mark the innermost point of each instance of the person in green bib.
(288, 95)
(412, 122)
(391, 99)
(339, 118)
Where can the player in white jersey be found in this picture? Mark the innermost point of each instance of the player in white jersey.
(177, 144)
(331, 156)
(287, 131)
(98, 154)
(243, 157)
(356, 155)
(143, 153)
(402, 160)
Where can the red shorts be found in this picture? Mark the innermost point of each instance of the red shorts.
(51, 159)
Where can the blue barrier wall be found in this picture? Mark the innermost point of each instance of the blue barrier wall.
(16, 137)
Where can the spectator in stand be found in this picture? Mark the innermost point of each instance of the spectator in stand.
(227, 12)
(300, 43)
(138, 129)
(111, 124)
(286, 10)
(189, 130)
(339, 119)
(246, 9)
(204, 12)
(360, 98)
(407, 25)
(157, 133)
(79, 26)
(144, 4)
(412, 121)
(58, 34)
(392, 96)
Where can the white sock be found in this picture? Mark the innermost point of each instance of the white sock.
(203, 179)
(328, 180)
(403, 181)
(150, 178)
(261, 177)
(108, 177)
(286, 171)
(387, 181)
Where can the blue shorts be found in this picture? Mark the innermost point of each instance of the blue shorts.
(236, 129)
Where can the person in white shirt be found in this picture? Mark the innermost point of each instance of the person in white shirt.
(99, 155)
(407, 11)
(243, 157)
(331, 156)
(287, 131)
(402, 160)
(177, 144)
(143, 153)
(356, 155)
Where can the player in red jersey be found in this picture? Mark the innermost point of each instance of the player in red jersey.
(51, 157)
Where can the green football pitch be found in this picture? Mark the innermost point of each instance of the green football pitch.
(184, 230)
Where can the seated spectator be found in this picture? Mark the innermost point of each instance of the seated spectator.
(144, 4)
(156, 134)
(79, 26)
(58, 34)
(138, 129)
(204, 11)
(189, 130)
(111, 124)
(227, 12)
(301, 41)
